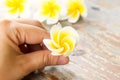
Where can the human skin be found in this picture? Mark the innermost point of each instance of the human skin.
(18, 60)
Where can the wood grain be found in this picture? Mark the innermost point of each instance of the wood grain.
(97, 56)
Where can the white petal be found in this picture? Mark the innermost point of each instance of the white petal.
(55, 28)
(52, 20)
(62, 18)
(67, 53)
(63, 12)
(85, 13)
(40, 17)
(74, 20)
(70, 46)
(69, 41)
(11, 16)
(54, 32)
(63, 15)
(47, 43)
(26, 13)
(54, 51)
(57, 51)
(2, 3)
(54, 43)
(72, 32)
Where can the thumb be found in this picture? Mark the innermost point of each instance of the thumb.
(40, 59)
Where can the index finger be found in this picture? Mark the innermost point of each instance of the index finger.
(29, 34)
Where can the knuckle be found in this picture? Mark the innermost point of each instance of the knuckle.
(45, 32)
(5, 22)
(50, 60)
(37, 23)
(5, 25)
(46, 59)
(9, 29)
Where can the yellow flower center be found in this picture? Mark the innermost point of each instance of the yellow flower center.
(75, 6)
(50, 8)
(15, 6)
(63, 40)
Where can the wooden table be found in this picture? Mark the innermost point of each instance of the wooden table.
(97, 56)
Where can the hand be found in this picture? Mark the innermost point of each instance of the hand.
(14, 63)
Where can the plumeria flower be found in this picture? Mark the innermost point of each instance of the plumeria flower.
(75, 9)
(49, 11)
(63, 40)
(16, 8)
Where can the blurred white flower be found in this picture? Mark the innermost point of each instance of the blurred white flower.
(75, 9)
(49, 11)
(16, 8)
(63, 40)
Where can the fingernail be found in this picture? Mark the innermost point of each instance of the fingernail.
(63, 60)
